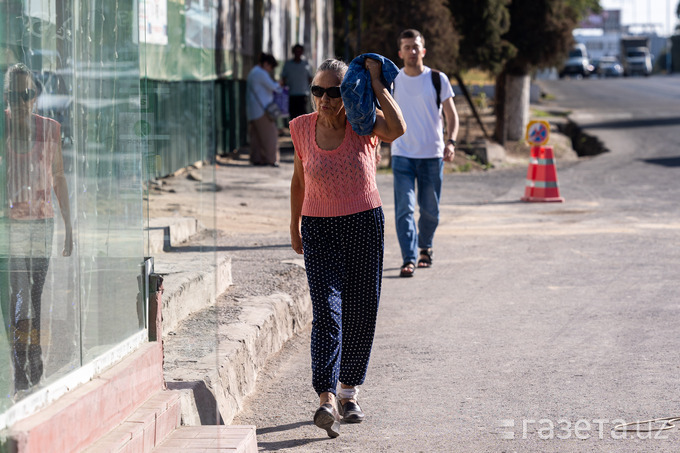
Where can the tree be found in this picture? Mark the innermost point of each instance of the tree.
(482, 24)
(541, 31)
(383, 21)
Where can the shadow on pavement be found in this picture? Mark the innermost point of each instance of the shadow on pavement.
(292, 443)
(664, 161)
(627, 124)
(277, 429)
(210, 248)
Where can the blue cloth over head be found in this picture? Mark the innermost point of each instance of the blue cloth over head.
(357, 92)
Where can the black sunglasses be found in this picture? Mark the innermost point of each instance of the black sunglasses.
(26, 95)
(332, 92)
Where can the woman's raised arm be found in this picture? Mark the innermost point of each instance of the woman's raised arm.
(389, 122)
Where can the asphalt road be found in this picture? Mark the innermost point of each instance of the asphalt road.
(541, 325)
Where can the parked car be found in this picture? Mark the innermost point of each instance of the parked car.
(608, 67)
(577, 63)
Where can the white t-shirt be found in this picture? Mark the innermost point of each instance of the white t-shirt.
(418, 102)
(259, 84)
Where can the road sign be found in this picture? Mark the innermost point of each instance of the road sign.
(538, 133)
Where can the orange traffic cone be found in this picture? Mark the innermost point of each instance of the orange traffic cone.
(542, 176)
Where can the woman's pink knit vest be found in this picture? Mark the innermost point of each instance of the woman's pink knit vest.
(337, 182)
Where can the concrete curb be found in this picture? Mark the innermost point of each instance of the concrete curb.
(168, 232)
(189, 291)
(264, 324)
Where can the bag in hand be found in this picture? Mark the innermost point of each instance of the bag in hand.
(273, 111)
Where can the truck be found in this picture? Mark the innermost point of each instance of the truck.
(635, 55)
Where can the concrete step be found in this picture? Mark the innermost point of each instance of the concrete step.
(192, 281)
(194, 273)
(145, 429)
(210, 439)
(168, 232)
(217, 367)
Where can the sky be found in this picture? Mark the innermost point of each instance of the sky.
(646, 11)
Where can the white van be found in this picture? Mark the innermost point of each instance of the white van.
(577, 63)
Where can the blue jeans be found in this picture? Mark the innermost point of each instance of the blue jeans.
(428, 174)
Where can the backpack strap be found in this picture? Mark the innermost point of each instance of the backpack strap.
(437, 82)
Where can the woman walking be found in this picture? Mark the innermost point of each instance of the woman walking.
(337, 222)
(33, 169)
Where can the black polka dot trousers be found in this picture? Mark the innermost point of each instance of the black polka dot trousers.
(344, 262)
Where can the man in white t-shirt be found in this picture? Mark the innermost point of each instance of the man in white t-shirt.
(418, 156)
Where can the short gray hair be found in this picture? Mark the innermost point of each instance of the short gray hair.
(339, 67)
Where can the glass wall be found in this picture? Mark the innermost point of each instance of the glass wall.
(73, 153)
(99, 97)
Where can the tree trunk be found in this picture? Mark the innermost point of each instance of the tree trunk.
(517, 90)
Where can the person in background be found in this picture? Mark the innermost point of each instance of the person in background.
(418, 156)
(33, 168)
(337, 222)
(297, 74)
(263, 131)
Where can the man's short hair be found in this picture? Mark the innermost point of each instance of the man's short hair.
(298, 46)
(410, 33)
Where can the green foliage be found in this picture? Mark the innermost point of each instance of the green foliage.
(541, 30)
(472, 162)
(494, 35)
(537, 113)
(383, 21)
(482, 24)
(481, 101)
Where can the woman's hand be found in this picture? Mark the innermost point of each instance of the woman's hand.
(68, 242)
(374, 67)
(297, 198)
(296, 240)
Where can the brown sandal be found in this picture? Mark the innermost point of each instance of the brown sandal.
(425, 259)
(407, 269)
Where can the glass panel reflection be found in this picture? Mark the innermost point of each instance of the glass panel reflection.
(34, 280)
(71, 215)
